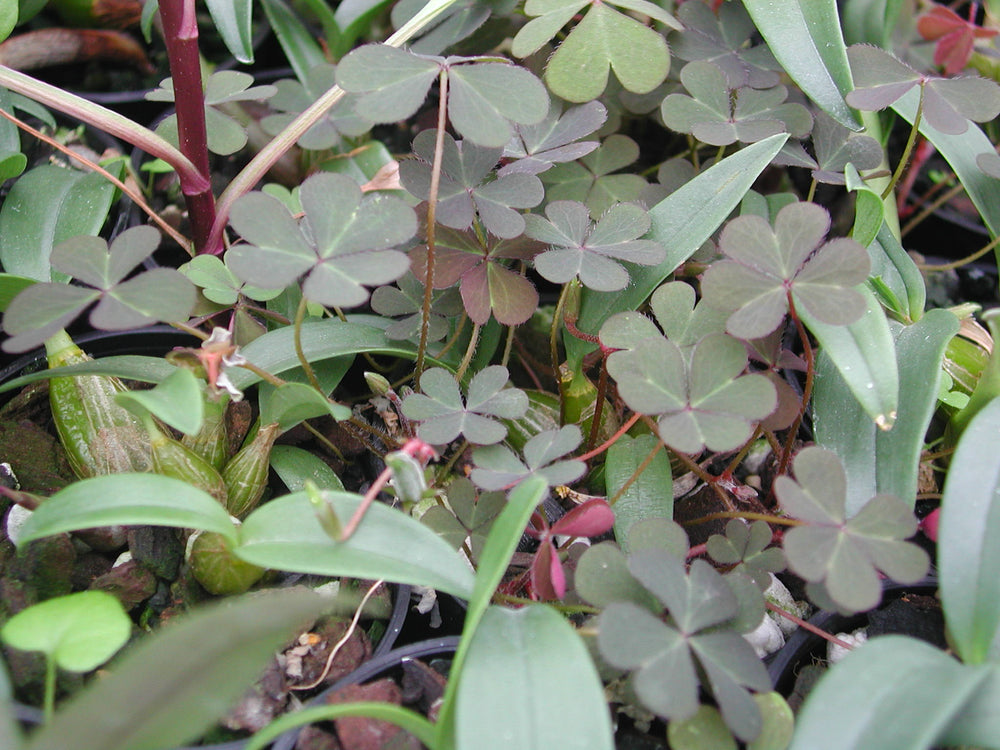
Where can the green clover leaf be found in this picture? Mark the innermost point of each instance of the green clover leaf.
(748, 548)
(590, 179)
(466, 190)
(161, 294)
(556, 139)
(724, 38)
(443, 416)
(485, 97)
(766, 266)
(345, 242)
(219, 284)
(292, 97)
(701, 396)
(719, 115)
(225, 134)
(880, 79)
(488, 287)
(845, 554)
(662, 655)
(580, 248)
(407, 300)
(470, 515)
(497, 467)
(603, 40)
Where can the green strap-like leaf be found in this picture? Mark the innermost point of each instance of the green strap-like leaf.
(968, 556)
(232, 20)
(804, 35)
(681, 222)
(650, 495)
(894, 693)
(880, 462)
(285, 534)
(532, 652)
(862, 353)
(128, 500)
(201, 665)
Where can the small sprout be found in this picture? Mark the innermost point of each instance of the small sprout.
(325, 513)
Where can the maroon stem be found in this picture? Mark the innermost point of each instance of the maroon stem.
(180, 32)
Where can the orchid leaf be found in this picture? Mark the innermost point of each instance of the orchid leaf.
(202, 664)
(443, 415)
(662, 656)
(725, 38)
(765, 267)
(894, 678)
(649, 495)
(233, 19)
(345, 242)
(294, 466)
(701, 397)
(465, 192)
(719, 115)
(880, 461)
(965, 554)
(129, 500)
(46, 206)
(846, 554)
(532, 650)
(497, 467)
(556, 139)
(605, 39)
(805, 37)
(161, 294)
(285, 534)
(580, 248)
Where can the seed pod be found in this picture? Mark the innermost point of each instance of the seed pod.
(246, 473)
(99, 435)
(212, 440)
(216, 568)
(173, 459)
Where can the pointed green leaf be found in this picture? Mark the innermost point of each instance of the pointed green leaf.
(650, 495)
(880, 461)
(202, 664)
(178, 401)
(286, 535)
(232, 19)
(893, 680)
(967, 554)
(805, 37)
(46, 206)
(531, 651)
(295, 466)
(862, 354)
(128, 500)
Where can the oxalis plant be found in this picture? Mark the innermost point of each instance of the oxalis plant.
(587, 278)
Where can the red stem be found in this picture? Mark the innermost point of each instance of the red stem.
(611, 441)
(180, 33)
(808, 626)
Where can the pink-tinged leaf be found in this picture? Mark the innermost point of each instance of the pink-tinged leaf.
(449, 264)
(592, 518)
(929, 524)
(547, 577)
(513, 298)
(476, 294)
(955, 37)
